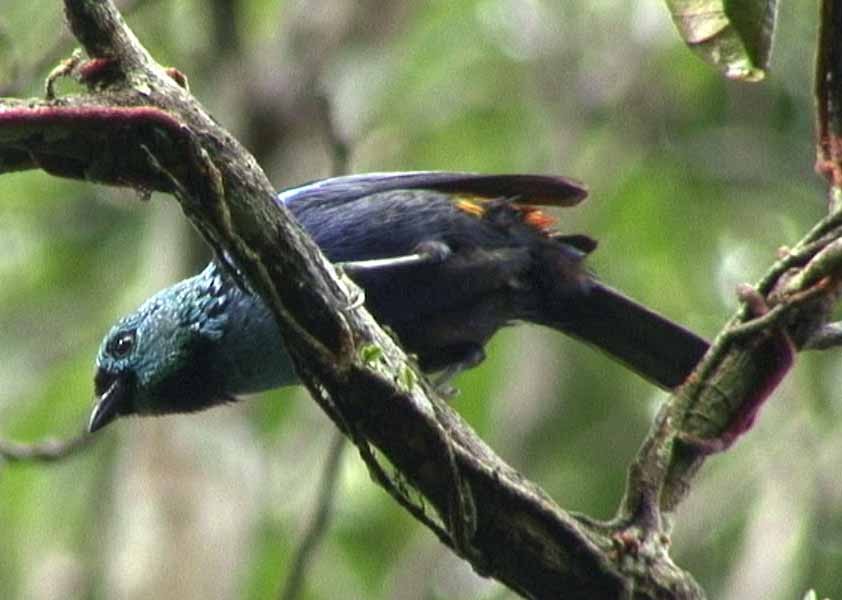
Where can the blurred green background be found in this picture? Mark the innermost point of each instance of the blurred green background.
(695, 182)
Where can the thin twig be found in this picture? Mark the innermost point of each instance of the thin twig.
(25, 74)
(340, 149)
(829, 336)
(461, 517)
(49, 450)
(320, 522)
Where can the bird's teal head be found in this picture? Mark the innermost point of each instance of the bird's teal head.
(155, 360)
(189, 347)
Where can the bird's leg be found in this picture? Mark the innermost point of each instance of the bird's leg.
(472, 357)
(431, 252)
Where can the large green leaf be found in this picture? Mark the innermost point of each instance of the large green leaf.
(735, 36)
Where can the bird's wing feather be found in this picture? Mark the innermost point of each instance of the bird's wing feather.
(542, 190)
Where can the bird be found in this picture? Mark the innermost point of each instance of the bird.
(444, 259)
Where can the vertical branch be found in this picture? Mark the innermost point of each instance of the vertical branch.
(340, 151)
(828, 90)
(225, 22)
(320, 521)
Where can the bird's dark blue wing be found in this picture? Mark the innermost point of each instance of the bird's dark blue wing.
(545, 190)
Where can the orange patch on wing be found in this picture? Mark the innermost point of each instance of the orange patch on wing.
(470, 207)
(529, 214)
(536, 218)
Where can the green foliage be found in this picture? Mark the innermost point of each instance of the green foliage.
(371, 354)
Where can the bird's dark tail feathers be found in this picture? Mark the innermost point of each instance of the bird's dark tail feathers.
(656, 348)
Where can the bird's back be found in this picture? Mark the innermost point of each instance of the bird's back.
(444, 310)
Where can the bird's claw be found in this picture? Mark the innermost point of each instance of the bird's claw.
(357, 300)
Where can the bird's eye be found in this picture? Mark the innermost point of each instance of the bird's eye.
(123, 343)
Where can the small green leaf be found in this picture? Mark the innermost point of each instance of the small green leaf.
(735, 36)
(371, 353)
(407, 378)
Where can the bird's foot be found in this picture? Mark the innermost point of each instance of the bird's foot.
(471, 358)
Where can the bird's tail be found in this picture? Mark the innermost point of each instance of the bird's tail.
(656, 348)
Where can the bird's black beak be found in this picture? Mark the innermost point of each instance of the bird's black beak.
(109, 403)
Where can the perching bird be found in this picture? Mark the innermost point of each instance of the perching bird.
(444, 259)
